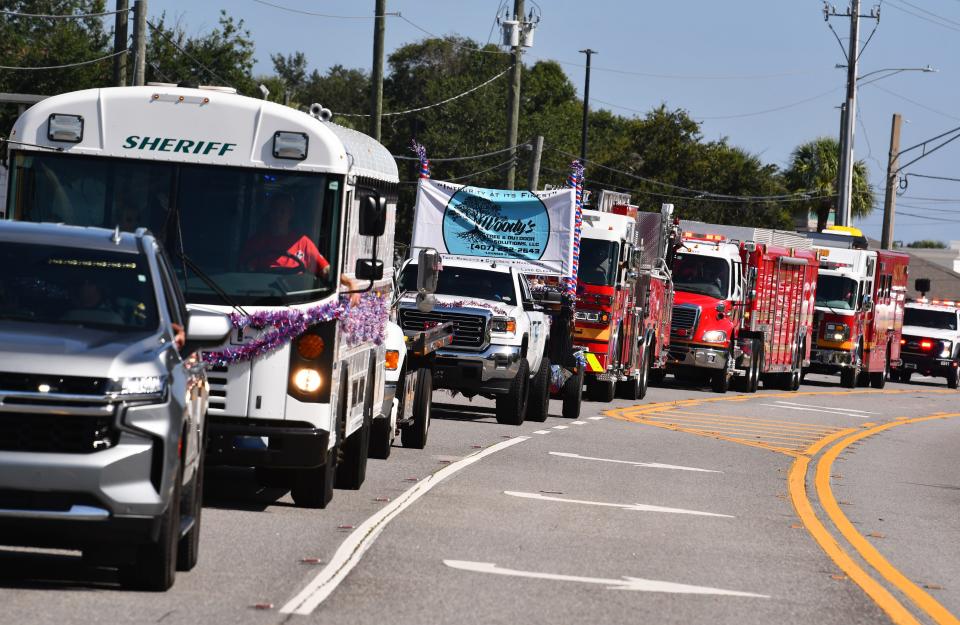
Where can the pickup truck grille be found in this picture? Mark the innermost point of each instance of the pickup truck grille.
(684, 320)
(47, 433)
(468, 330)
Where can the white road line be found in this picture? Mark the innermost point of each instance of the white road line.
(792, 403)
(596, 418)
(541, 431)
(649, 465)
(636, 507)
(833, 412)
(578, 423)
(624, 583)
(350, 552)
(561, 427)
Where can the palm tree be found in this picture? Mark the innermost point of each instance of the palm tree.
(813, 168)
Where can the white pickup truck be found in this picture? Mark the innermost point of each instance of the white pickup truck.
(499, 339)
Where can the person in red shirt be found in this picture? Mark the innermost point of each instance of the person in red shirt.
(281, 248)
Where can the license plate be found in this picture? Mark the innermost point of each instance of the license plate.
(910, 365)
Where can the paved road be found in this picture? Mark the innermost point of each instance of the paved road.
(822, 506)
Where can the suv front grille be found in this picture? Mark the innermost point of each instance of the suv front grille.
(684, 320)
(468, 330)
(66, 385)
(47, 433)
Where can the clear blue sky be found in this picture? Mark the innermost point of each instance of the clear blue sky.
(725, 62)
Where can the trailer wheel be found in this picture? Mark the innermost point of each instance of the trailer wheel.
(573, 395)
(512, 407)
(538, 404)
(414, 435)
(600, 390)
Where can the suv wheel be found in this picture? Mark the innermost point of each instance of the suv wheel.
(512, 407)
(188, 549)
(155, 565)
(538, 404)
(952, 377)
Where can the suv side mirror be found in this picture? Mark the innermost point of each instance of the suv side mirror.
(428, 271)
(369, 269)
(205, 330)
(373, 215)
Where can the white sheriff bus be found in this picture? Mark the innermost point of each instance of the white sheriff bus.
(264, 211)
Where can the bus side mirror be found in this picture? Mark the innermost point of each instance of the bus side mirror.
(373, 215)
(369, 269)
(428, 271)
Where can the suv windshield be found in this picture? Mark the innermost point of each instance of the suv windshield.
(466, 282)
(265, 237)
(937, 319)
(706, 275)
(598, 262)
(836, 292)
(75, 286)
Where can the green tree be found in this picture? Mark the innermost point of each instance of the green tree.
(344, 91)
(928, 244)
(813, 169)
(292, 72)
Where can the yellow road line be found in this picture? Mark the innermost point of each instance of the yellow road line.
(733, 429)
(866, 550)
(759, 425)
(791, 424)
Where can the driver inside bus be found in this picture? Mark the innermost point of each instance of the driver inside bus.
(279, 246)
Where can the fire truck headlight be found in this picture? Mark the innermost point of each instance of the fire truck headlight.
(714, 336)
(307, 380)
(505, 325)
(836, 332)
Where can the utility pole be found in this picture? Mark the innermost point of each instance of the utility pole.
(120, 43)
(534, 180)
(586, 107)
(139, 42)
(890, 197)
(376, 87)
(513, 109)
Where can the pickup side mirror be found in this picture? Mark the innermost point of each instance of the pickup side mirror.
(428, 271)
(373, 215)
(205, 330)
(922, 285)
(531, 306)
(369, 269)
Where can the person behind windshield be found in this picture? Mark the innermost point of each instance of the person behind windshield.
(279, 246)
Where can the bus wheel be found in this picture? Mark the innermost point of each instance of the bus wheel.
(573, 395)
(353, 470)
(313, 488)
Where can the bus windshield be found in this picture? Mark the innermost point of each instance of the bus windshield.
(706, 275)
(836, 292)
(599, 260)
(264, 237)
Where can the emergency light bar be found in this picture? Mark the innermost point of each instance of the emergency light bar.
(716, 238)
(943, 302)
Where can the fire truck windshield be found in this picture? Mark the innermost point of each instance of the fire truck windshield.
(707, 275)
(836, 292)
(262, 236)
(598, 262)
(936, 319)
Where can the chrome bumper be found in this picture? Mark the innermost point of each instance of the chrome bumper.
(497, 362)
(697, 356)
(831, 357)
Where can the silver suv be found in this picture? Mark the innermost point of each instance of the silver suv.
(102, 400)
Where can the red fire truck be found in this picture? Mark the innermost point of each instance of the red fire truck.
(624, 298)
(743, 308)
(859, 313)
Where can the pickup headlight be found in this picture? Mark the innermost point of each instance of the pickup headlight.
(504, 325)
(714, 336)
(946, 349)
(836, 332)
(142, 388)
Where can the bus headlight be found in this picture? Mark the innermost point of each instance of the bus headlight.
(714, 336)
(307, 380)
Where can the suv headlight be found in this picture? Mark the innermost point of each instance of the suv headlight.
(836, 332)
(714, 336)
(505, 325)
(148, 387)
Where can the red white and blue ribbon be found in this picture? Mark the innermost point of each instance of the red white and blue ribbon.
(575, 180)
(421, 153)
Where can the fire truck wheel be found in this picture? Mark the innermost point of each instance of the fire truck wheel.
(573, 395)
(512, 407)
(414, 435)
(757, 366)
(905, 376)
(644, 374)
(720, 381)
(952, 378)
(879, 380)
(602, 391)
(656, 377)
(538, 404)
(848, 377)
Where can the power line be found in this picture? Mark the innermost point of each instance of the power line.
(461, 158)
(922, 17)
(914, 102)
(434, 105)
(327, 15)
(65, 66)
(212, 73)
(930, 13)
(74, 16)
(507, 162)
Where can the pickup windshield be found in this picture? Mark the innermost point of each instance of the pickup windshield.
(263, 236)
(836, 292)
(73, 286)
(598, 262)
(936, 319)
(706, 275)
(466, 282)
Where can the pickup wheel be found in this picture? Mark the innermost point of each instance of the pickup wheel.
(538, 404)
(573, 395)
(512, 407)
(952, 377)
(155, 565)
(414, 435)
(602, 391)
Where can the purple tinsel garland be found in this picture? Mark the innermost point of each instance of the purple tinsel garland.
(364, 322)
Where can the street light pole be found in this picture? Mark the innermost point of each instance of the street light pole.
(586, 107)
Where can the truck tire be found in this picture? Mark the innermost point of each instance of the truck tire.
(635, 387)
(313, 487)
(952, 377)
(381, 438)
(352, 464)
(414, 435)
(755, 383)
(601, 391)
(719, 381)
(744, 383)
(512, 407)
(188, 548)
(879, 380)
(656, 377)
(905, 376)
(538, 402)
(848, 377)
(573, 395)
(155, 566)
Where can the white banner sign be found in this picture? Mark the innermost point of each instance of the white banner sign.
(532, 231)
